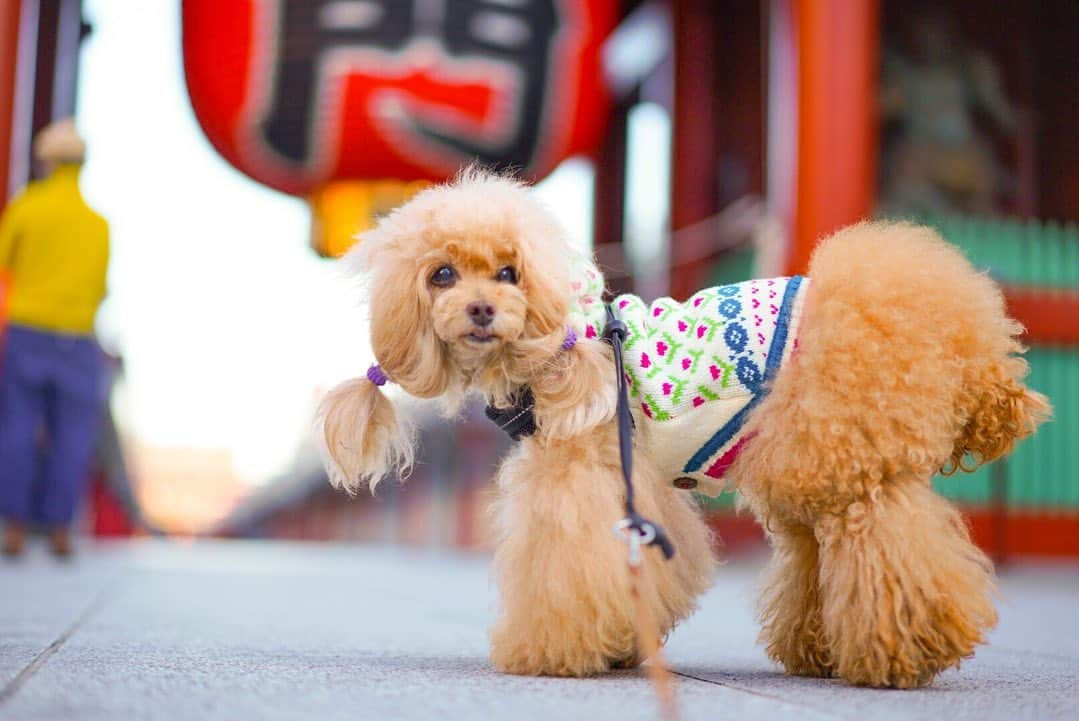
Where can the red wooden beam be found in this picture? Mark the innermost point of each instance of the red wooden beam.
(9, 55)
(1025, 532)
(1051, 316)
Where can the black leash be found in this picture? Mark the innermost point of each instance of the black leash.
(647, 532)
(639, 531)
(519, 421)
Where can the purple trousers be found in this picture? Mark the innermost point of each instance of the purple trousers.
(51, 403)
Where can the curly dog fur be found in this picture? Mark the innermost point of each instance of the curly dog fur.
(906, 364)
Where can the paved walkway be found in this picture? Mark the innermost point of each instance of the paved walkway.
(246, 631)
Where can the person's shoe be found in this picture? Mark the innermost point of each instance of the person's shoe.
(14, 540)
(60, 543)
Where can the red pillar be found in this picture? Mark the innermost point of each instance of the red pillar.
(10, 11)
(836, 52)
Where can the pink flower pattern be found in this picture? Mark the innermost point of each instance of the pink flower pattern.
(666, 340)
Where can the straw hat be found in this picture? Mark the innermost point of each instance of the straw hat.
(59, 142)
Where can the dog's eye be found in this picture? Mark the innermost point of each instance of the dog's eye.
(507, 275)
(444, 276)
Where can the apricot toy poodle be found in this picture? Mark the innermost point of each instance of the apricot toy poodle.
(829, 402)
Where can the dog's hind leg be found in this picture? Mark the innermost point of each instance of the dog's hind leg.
(905, 360)
(792, 628)
(905, 594)
(887, 590)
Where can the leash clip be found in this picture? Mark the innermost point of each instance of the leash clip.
(636, 535)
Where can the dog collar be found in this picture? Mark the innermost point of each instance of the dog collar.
(519, 420)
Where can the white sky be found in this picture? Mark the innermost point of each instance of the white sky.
(228, 322)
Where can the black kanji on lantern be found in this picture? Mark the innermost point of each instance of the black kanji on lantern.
(519, 35)
(516, 34)
(306, 31)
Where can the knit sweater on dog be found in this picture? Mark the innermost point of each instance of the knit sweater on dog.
(696, 369)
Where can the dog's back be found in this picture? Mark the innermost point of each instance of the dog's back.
(917, 316)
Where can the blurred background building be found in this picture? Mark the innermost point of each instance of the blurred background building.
(237, 145)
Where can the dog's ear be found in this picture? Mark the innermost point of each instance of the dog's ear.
(403, 338)
(577, 391)
(547, 301)
(402, 334)
(363, 436)
(543, 265)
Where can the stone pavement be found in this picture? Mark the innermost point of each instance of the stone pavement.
(252, 630)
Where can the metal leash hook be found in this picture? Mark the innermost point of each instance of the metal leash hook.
(645, 624)
(635, 537)
(638, 532)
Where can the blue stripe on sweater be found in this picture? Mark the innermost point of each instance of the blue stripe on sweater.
(775, 357)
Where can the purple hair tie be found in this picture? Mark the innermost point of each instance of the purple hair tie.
(571, 339)
(376, 376)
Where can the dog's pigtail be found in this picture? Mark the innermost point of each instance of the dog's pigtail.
(363, 437)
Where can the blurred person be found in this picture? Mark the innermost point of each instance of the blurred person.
(55, 250)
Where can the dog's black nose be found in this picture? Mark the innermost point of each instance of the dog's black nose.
(481, 313)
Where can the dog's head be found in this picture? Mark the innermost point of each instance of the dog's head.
(469, 289)
(468, 281)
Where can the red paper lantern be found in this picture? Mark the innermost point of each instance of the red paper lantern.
(299, 93)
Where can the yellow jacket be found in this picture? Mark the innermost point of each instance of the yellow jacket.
(56, 250)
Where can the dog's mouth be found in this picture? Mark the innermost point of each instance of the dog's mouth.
(481, 336)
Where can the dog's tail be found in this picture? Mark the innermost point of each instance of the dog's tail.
(363, 437)
(1004, 412)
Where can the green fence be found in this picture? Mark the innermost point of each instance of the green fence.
(1020, 252)
(1043, 473)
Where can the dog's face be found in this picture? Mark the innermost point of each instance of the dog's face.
(477, 304)
(465, 278)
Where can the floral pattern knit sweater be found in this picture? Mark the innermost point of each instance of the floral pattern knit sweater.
(695, 370)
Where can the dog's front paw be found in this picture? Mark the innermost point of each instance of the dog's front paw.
(549, 651)
(626, 662)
